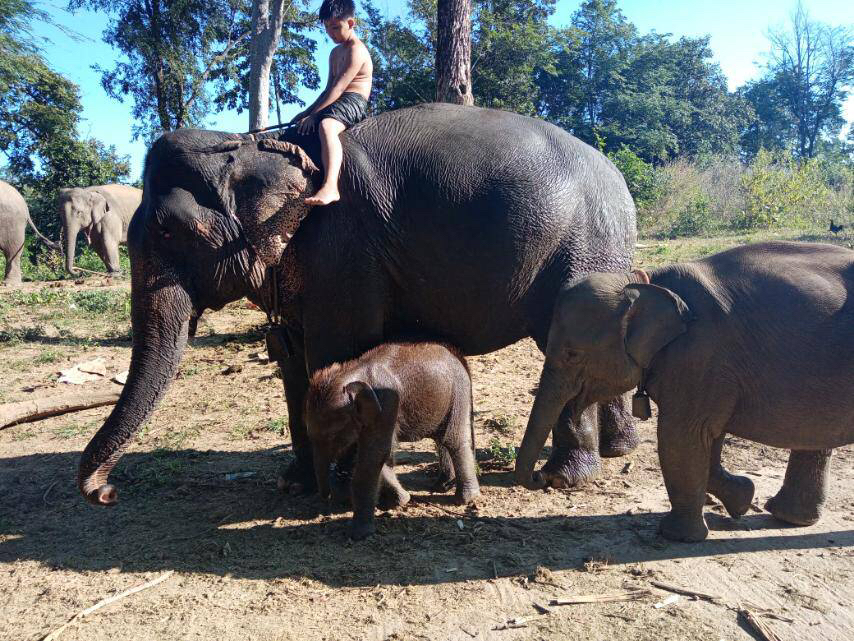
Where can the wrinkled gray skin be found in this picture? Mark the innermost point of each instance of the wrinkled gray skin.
(102, 213)
(394, 392)
(757, 341)
(455, 223)
(14, 218)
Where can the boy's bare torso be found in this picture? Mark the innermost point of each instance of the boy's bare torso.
(352, 51)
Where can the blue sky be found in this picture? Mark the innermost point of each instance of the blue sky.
(737, 29)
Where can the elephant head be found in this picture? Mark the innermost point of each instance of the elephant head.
(79, 210)
(605, 332)
(336, 418)
(217, 209)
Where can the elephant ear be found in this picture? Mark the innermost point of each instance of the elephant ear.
(99, 207)
(655, 317)
(364, 403)
(266, 188)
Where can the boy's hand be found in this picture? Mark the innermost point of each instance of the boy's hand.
(307, 124)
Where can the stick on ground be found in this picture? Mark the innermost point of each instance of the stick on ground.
(686, 592)
(759, 626)
(35, 410)
(104, 602)
(629, 595)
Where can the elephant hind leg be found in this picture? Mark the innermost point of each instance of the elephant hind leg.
(735, 492)
(802, 496)
(447, 475)
(618, 435)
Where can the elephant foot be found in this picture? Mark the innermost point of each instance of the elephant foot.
(298, 477)
(736, 494)
(618, 433)
(793, 509)
(443, 483)
(391, 498)
(466, 495)
(677, 527)
(569, 467)
(359, 531)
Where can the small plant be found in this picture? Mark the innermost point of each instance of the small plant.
(72, 430)
(501, 455)
(503, 423)
(47, 356)
(278, 426)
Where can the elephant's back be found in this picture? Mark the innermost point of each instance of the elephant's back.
(12, 203)
(492, 210)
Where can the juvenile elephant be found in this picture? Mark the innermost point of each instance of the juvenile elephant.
(455, 223)
(756, 341)
(394, 392)
(103, 214)
(14, 218)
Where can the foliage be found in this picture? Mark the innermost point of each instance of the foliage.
(39, 114)
(641, 177)
(807, 80)
(293, 63)
(782, 191)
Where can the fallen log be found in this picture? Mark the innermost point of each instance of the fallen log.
(38, 409)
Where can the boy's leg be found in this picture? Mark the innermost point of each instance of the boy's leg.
(333, 155)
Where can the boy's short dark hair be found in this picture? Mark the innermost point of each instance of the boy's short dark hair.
(337, 10)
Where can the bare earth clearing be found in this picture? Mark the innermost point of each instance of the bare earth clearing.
(250, 563)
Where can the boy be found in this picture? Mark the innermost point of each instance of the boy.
(344, 102)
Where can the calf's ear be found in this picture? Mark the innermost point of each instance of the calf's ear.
(364, 403)
(654, 318)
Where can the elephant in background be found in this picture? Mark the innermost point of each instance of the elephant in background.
(455, 223)
(14, 218)
(102, 213)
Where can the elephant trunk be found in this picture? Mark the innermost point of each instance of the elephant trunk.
(322, 462)
(552, 396)
(70, 245)
(160, 314)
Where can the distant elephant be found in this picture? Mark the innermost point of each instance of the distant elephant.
(14, 218)
(103, 214)
(455, 223)
(756, 341)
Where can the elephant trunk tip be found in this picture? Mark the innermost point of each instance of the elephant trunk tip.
(531, 480)
(98, 492)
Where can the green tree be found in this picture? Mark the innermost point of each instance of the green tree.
(772, 126)
(293, 64)
(38, 121)
(812, 69)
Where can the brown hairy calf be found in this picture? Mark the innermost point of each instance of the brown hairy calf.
(394, 392)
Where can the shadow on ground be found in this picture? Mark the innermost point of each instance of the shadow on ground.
(177, 511)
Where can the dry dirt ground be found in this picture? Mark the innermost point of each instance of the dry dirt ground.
(251, 563)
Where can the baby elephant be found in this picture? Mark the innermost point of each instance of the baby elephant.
(394, 392)
(756, 341)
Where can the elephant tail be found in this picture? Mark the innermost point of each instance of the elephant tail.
(44, 238)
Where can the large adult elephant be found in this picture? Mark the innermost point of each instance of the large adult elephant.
(102, 213)
(14, 218)
(455, 223)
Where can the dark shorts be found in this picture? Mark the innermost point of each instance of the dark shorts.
(351, 108)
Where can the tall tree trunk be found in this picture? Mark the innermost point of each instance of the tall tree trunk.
(453, 52)
(267, 19)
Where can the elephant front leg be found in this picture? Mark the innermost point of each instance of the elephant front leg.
(802, 496)
(684, 452)
(299, 475)
(374, 454)
(618, 434)
(735, 492)
(575, 450)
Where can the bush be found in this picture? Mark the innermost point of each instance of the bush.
(780, 191)
(640, 176)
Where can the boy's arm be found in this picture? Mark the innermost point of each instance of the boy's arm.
(313, 106)
(354, 58)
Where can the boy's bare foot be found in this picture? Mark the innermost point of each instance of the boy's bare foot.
(325, 196)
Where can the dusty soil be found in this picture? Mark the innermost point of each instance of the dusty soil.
(251, 563)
